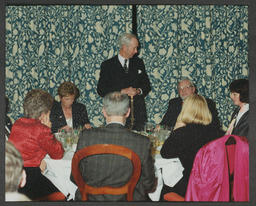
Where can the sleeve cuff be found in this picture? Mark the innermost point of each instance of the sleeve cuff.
(140, 91)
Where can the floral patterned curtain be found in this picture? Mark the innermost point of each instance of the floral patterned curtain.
(208, 44)
(46, 45)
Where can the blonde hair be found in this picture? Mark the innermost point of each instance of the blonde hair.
(195, 110)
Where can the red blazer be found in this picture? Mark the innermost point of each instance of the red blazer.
(34, 140)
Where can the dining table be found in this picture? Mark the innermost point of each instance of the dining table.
(167, 171)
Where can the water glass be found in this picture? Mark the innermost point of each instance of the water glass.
(149, 128)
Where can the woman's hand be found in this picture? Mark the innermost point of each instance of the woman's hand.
(87, 126)
(157, 128)
(66, 128)
(43, 166)
(45, 119)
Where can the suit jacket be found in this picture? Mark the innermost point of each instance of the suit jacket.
(79, 116)
(242, 126)
(113, 78)
(174, 109)
(113, 170)
(209, 179)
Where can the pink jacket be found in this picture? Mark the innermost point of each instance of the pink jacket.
(209, 178)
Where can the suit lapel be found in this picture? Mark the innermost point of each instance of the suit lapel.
(242, 119)
(118, 63)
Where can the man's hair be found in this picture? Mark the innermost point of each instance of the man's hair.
(13, 167)
(125, 39)
(187, 79)
(68, 88)
(195, 110)
(241, 86)
(116, 104)
(37, 101)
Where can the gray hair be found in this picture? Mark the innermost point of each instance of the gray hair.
(13, 167)
(116, 104)
(185, 78)
(125, 39)
(37, 101)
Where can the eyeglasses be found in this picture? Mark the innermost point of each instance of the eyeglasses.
(185, 87)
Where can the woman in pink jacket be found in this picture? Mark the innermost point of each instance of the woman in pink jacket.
(32, 136)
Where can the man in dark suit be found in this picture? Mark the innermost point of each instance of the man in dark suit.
(185, 89)
(112, 170)
(126, 73)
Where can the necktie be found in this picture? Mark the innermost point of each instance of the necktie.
(125, 66)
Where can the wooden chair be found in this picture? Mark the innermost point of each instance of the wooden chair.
(56, 196)
(173, 197)
(85, 189)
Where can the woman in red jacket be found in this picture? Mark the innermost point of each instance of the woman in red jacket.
(32, 136)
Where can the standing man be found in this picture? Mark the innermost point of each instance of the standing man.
(112, 170)
(185, 89)
(126, 73)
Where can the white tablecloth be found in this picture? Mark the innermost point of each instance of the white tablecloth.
(58, 171)
(168, 171)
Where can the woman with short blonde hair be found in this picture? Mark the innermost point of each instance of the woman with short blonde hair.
(195, 110)
(192, 130)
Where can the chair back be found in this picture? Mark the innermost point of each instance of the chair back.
(85, 189)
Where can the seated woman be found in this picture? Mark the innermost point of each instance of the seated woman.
(191, 132)
(240, 96)
(32, 137)
(68, 113)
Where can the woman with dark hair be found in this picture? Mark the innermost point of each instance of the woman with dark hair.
(239, 93)
(32, 137)
(68, 114)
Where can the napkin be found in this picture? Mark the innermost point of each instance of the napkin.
(172, 171)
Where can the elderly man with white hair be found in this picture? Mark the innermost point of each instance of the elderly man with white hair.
(126, 73)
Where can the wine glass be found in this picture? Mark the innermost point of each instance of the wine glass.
(149, 128)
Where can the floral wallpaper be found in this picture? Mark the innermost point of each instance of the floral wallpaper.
(46, 45)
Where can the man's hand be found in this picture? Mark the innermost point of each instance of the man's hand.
(130, 91)
(87, 126)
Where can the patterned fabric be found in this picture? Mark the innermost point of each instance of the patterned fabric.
(46, 45)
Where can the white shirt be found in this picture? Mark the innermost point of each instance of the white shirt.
(244, 109)
(70, 122)
(114, 122)
(121, 59)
